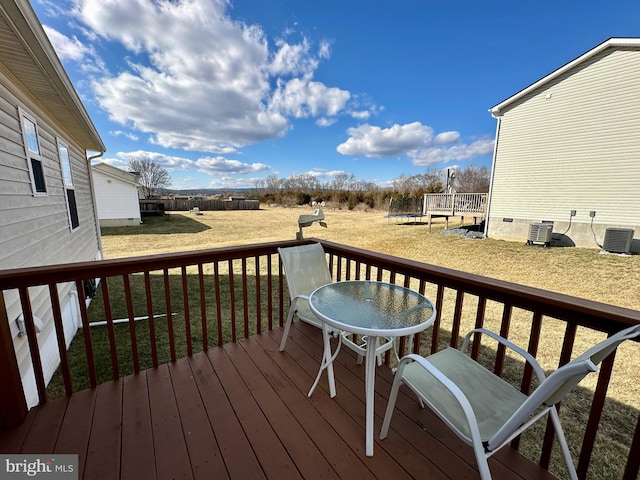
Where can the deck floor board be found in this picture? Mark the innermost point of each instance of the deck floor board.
(242, 411)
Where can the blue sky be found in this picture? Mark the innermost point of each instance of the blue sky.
(224, 94)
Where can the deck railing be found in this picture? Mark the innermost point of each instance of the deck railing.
(455, 204)
(215, 296)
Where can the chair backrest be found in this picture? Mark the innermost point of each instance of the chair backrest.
(305, 268)
(561, 382)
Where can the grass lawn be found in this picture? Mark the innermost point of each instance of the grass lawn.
(574, 271)
(578, 272)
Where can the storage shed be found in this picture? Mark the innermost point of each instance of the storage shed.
(116, 196)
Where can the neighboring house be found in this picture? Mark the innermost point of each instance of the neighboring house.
(571, 141)
(117, 196)
(47, 211)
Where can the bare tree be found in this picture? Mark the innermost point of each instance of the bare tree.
(473, 180)
(153, 177)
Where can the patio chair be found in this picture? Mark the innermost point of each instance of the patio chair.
(484, 410)
(306, 269)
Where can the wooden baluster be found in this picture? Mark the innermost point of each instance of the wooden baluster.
(232, 302)
(504, 332)
(258, 297)
(457, 316)
(480, 312)
(13, 406)
(595, 413)
(62, 343)
(203, 308)
(187, 313)
(132, 324)
(633, 460)
(565, 356)
(27, 314)
(167, 300)
(86, 333)
(108, 316)
(216, 281)
(436, 324)
(269, 292)
(152, 322)
(245, 299)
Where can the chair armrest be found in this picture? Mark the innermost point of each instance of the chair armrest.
(526, 355)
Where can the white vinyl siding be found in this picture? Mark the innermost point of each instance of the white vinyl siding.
(573, 144)
(34, 229)
(116, 197)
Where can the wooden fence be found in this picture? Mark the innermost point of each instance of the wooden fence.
(204, 205)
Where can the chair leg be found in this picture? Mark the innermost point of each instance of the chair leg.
(564, 447)
(287, 326)
(393, 395)
(481, 461)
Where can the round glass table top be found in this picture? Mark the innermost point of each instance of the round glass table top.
(372, 308)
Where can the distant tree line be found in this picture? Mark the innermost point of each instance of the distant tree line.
(346, 190)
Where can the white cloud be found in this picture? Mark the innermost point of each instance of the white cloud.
(301, 98)
(293, 59)
(372, 141)
(232, 182)
(360, 115)
(218, 165)
(446, 137)
(414, 140)
(199, 80)
(171, 163)
(66, 48)
(321, 173)
(120, 133)
(458, 152)
(326, 122)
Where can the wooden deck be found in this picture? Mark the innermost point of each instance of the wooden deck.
(241, 412)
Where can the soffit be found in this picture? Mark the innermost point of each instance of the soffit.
(29, 59)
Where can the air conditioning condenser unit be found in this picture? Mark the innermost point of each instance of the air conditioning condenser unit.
(618, 240)
(540, 233)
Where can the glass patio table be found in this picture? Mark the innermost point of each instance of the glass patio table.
(374, 309)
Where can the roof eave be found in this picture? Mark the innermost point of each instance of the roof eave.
(30, 28)
(496, 110)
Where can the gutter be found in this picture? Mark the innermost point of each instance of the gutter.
(93, 200)
(493, 170)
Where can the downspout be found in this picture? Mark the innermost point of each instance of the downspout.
(93, 200)
(497, 116)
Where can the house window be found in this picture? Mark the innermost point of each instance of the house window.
(67, 180)
(34, 159)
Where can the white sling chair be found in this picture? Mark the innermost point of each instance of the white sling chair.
(306, 269)
(481, 408)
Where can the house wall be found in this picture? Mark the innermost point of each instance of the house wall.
(117, 201)
(36, 230)
(573, 144)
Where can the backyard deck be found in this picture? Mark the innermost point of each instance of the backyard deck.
(241, 411)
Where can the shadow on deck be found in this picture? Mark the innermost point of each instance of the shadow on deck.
(241, 411)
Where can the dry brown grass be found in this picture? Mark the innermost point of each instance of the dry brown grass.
(578, 272)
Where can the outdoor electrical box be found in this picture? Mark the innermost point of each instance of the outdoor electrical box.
(540, 233)
(618, 240)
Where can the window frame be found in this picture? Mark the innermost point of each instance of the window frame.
(66, 173)
(32, 156)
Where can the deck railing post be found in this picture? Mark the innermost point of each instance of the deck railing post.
(13, 406)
